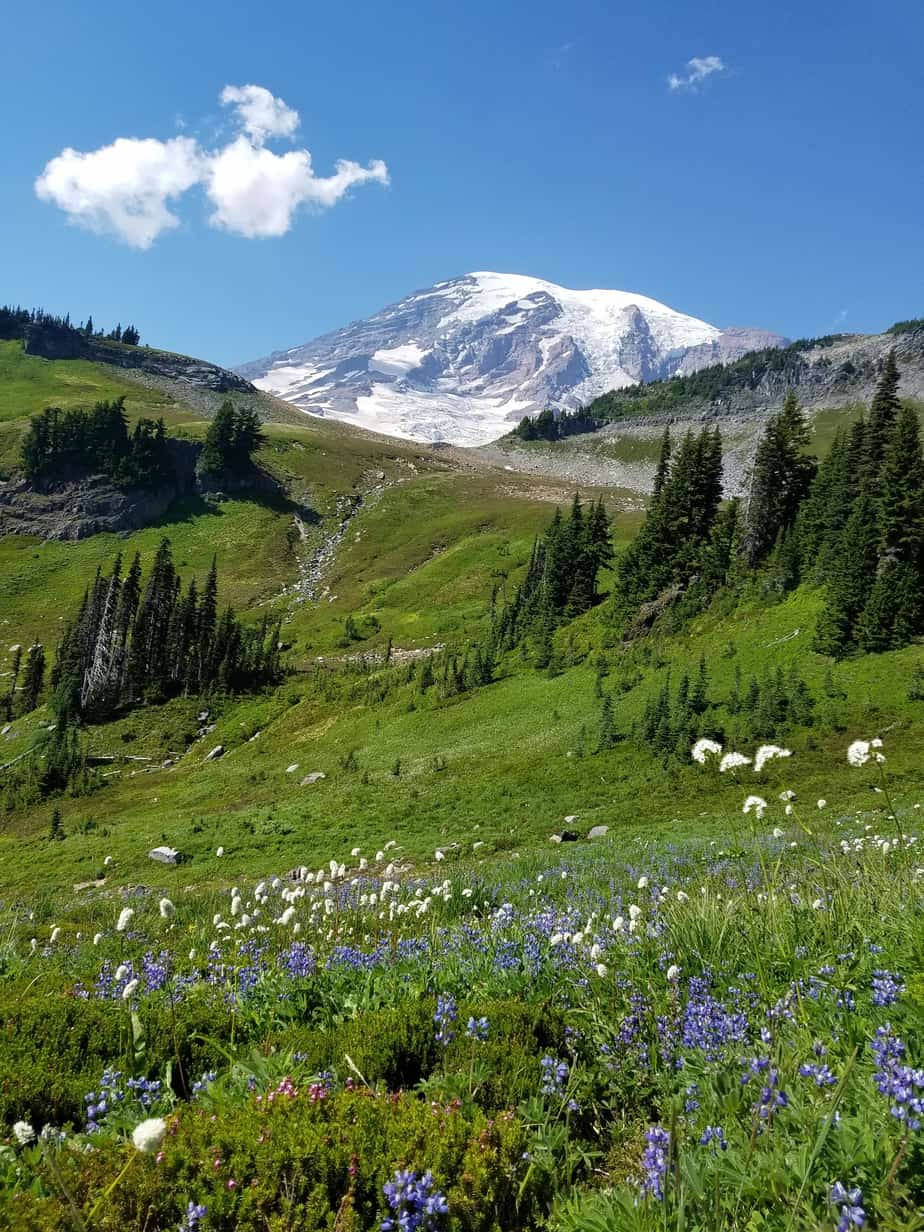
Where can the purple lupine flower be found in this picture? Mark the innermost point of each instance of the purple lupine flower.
(415, 1205)
(445, 1016)
(477, 1029)
(821, 1074)
(654, 1161)
(900, 1083)
(714, 1135)
(554, 1076)
(887, 988)
(852, 1214)
(195, 1213)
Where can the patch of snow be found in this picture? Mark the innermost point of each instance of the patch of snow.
(396, 361)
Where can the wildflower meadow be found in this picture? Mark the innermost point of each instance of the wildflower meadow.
(631, 1035)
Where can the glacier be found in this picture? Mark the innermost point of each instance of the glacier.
(463, 361)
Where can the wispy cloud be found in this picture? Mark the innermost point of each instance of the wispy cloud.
(695, 73)
(841, 317)
(128, 189)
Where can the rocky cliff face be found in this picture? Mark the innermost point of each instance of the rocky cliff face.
(50, 341)
(461, 362)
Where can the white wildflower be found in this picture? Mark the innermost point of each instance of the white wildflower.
(601, 970)
(55, 934)
(129, 990)
(788, 810)
(755, 804)
(220, 852)
(125, 918)
(120, 972)
(438, 855)
(634, 912)
(682, 896)
(23, 1133)
(822, 803)
(167, 909)
(673, 973)
(149, 1134)
(643, 883)
(704, 748)
(287, 916)
(731, 761)
(355, 852)
(787, 795)
(818, 904)
(107, 861)
(858, 753)
(595, 952)
(767, 752)
(97, 938)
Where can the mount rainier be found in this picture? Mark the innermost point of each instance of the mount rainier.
(465, 360)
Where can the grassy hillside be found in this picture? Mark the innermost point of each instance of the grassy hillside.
(412, 541)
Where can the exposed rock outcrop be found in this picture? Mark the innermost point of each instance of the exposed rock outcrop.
(50, 341)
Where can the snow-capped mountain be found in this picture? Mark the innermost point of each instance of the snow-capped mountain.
(465, 360)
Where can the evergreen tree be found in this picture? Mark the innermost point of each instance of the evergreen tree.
(33, 679)
(781, 477)
(607, 735)
(663, 467)
(851, 579)
(882, 415)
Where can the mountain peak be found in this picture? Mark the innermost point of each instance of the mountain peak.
(464, 360)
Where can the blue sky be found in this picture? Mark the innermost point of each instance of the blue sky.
(781, 190)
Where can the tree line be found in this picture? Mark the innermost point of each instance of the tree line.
(132, 643)
(15, 321)
(549, 426)
(63, 444)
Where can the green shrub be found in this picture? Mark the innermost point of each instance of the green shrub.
(292, 1162)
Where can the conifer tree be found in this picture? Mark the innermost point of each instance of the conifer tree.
(663, 467)
(851, 578)
(780, 479)
(883, 412)
(33, 679)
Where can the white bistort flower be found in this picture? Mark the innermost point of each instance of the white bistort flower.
(125, 918)
(23, 1133)
(822, 803)
(148, 1135)
(767, 752)
(858, 753)
(601, 970)
(704, 748)
(732, 761)
(129, 990)
(755, 804)
(55, 934)
(673, 973)
(167, 909)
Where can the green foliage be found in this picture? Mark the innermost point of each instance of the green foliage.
(781, 476)
(128, 644)
(232, 438)
(706, 385)
(549, 426)
(63, 445)
(671, 547)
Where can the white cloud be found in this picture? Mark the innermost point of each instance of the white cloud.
(125, 189)
(695, 73)
(261, 114)
(256, 192)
